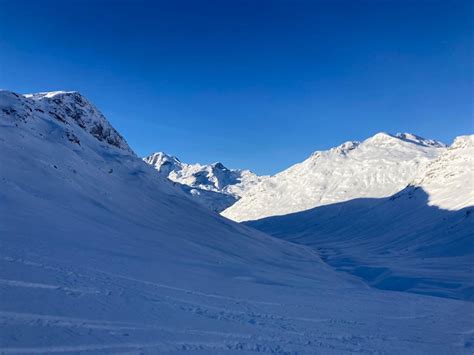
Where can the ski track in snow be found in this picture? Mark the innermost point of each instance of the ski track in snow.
(18, 283)
(248, 313)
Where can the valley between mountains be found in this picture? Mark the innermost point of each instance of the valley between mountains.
(364, 248)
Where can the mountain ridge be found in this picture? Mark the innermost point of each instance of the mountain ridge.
(376, 167)
(213, 185)
(417, 240)
(68, 107)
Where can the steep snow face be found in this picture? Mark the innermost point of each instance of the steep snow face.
(449, 180)
(213, 185)
(100, 254)
(377, 167)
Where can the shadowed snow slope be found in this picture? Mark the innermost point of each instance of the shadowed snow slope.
(213, 185)
(100, 254)
(378, 167)
(420, 239)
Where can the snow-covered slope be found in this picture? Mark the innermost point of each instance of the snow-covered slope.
(100, 254)
(378, 167)
(421, 239)
(213, 185)
(449, 181)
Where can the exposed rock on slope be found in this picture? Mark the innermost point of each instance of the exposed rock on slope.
(213, 185)
(69, 108)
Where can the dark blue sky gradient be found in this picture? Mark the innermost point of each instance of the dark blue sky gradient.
(254, 84)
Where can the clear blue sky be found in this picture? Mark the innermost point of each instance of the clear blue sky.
(254, 84)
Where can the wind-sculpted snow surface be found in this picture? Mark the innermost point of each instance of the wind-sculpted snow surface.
(212, 185)
(378, 167)
(99, 254)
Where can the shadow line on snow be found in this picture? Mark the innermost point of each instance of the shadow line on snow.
(396, 243)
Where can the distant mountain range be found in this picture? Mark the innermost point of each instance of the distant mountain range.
(213, 185)
(377, 167)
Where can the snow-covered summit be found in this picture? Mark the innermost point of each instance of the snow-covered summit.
(377, 167)
(214, 185)
(69, 108)
(386, 139)
(213, 177)
(50, 94)
(163, 162)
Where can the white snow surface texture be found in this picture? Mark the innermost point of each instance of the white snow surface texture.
(100, 254)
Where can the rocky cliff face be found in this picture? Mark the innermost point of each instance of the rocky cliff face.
(70, 109)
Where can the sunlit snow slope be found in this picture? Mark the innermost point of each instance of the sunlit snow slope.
(378, 167)
(420, 239)
(99, 254)
(212, 185)
(449, 180)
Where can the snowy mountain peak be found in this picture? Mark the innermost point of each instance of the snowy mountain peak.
(219, 165)
(377, 167)
(213, 185)
(387, 139)
(66, 108)
(381, 136)
(213, 177)
(163, 162)
(384, 139)
(51, 94)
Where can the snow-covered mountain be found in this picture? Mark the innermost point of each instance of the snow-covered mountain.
(100, 254)
(70, 108)
(377, 167)
(420, 239)
(213, 185)
(449, 180)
